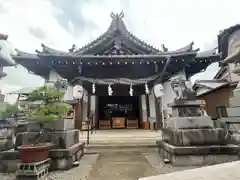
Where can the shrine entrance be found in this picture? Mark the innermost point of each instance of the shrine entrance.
(118, 112)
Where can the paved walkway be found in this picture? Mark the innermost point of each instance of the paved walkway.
(227, 171)
(120, 166)
(113, 166)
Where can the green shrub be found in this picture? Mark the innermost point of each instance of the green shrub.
(45, 104)
(10, 111)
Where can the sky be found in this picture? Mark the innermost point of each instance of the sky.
(61, 23)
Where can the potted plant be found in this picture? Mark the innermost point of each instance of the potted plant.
(45, 105)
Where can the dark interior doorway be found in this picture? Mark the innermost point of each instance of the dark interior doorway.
(118, 112)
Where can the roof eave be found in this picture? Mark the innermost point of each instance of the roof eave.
(6, 62)
(232, 84)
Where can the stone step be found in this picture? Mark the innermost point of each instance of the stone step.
(96, 149)
(136, 144)
(122, 142)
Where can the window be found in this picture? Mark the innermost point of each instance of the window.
(221, 111)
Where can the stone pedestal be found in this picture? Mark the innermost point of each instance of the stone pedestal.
(232, 122)
(6, 138)
(9, 161)
(63, 159)
(68, 148)
(197, 155)
(191, 139)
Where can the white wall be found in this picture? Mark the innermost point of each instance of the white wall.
(53, 77)
(93, 103)
(233, 47)
(234, 42)
(85, 104)
(231, 76)
(168, 97)
(68, 96)
(152, 105)
(144, 108)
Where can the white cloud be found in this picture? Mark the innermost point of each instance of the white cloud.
(173, 23)
(21, 15)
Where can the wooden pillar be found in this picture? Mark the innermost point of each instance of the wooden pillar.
(93, 108)
(152, 105)
(144, 112)
(78, 114)
(96, 112)
(159, 113)
(148, 106)
(89, 113)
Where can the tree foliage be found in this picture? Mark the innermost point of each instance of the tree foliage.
(9, 111)
(45, 104)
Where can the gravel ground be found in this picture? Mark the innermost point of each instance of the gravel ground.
(77, 173)
(113, 165)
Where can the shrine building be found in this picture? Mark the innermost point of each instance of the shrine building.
(118, 72)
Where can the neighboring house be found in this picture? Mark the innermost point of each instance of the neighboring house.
(217, 92)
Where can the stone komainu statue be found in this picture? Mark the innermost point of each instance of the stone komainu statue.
(181, 91)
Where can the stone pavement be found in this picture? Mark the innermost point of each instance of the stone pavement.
(119, 165)
(124, 165)
(227, 171)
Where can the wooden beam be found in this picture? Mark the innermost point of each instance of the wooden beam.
(162, 74)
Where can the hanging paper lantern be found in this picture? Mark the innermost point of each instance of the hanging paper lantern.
(110, 90)
(131, 90)
(158, 90)
(77, 92)
(146, 89)
(93, 88)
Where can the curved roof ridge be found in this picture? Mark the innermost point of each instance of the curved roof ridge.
(84, 48)
(24, 54)
(187, 48)
(48, 50)
(116, 18)
(116, 25)
(143, 43)
(207, 53)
